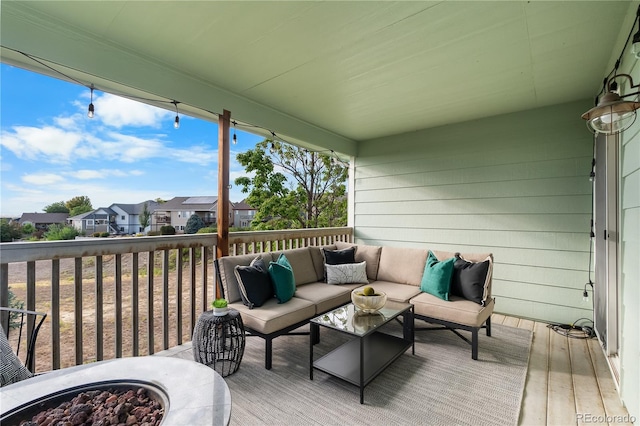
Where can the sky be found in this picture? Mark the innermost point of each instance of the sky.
(128, 153)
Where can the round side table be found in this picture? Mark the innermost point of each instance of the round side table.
(218, 341)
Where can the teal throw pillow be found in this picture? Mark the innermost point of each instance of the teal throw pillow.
(436, 279)
(284, 282)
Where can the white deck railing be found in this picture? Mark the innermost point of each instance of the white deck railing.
(111, 305)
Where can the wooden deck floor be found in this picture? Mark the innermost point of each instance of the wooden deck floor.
(568, 381)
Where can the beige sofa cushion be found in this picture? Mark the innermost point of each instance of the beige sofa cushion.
(365, 253)
(227, 266)
(274, 316)
(300, 259)
(318, 259)
(457, 309)
(325, 296)
(394, 291)
(402, 265)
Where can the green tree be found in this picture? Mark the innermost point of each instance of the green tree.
(194, 224)
(145, 216)
(293, 187)
(57, 207)
(78, 205)
(9, 231)
(28, 228)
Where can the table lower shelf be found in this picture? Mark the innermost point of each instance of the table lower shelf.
(380, 350)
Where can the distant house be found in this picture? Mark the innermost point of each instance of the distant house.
(117, 219)
(98, 220)
(177, 211)
(243, 214)
(42, 221)
(127, 218)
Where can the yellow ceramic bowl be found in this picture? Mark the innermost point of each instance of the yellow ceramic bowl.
(368, 304)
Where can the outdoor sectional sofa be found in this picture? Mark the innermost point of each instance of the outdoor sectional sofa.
(396, 271)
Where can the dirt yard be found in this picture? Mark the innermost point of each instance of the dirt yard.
(17, 284)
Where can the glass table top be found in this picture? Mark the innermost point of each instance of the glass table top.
(350, 319)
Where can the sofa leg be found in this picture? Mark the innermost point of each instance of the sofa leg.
(474, 343)
(267, 353)
(489, 326)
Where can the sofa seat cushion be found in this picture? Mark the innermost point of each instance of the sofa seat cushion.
(396, 292)
(325, 296)
(457, 310)
(402, 265)
(365, 253)
(274, 316)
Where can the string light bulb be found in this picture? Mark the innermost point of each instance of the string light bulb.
(91, 111)
(176, 122)
(235, 138)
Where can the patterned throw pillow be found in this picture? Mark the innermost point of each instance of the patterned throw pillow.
(11, 368)
(348, 273)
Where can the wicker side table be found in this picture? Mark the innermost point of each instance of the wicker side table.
(218, 341)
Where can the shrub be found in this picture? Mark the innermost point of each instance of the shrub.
(104, 234)
(153, 233)
(207, 230)
(60, 232)
(28, 228)
(95, 234)
(167, 230)
(194, 224)
(9, 231)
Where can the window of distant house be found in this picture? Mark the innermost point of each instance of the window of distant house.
(122, 217)
(122, 229)
(89, 222)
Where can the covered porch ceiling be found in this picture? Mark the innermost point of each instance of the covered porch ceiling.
(326, 74)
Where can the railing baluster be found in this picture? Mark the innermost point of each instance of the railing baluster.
(203, 264)
(150, 317)
(165, 299)
(192, 284)
(118, 283)
(55, 313)
(99, 311)
(77, 288)
(31, 296)
(179, 266)
(135, 295)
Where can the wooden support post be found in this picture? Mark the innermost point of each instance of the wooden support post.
(224, 121)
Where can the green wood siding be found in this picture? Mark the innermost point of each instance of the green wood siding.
(630, 259)
(516, 185)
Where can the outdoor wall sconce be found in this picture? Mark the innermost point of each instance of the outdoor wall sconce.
(612, 114)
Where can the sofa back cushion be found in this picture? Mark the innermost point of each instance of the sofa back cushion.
(317, 257)
(365, 253)
(402, 265)
(226, 268)
(301, 262)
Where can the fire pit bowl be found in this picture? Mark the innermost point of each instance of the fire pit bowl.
(190, 393)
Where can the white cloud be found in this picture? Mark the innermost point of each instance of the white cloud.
(31, 143)
(118, 112)
(42, 179)
(87, 174)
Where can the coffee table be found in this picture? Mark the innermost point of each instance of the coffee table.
(364, 357)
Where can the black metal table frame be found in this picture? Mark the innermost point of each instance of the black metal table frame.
(387, 349)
